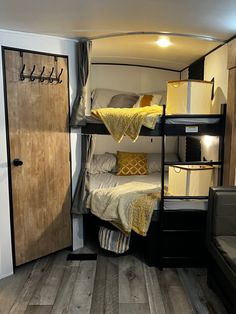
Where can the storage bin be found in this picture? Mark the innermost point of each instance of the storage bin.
(190, 180)
(190, 96)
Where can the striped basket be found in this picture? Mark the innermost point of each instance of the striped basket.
(113, 240)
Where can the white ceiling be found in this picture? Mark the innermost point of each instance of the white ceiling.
(142, 50)
(89, 18)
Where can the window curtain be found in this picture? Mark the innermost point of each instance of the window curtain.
(82, 96)
(81, 193)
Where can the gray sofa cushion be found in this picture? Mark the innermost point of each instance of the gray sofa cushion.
(224, 218)
(222, 263)
(227, 246)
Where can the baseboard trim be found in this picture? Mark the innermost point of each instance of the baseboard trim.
(6, 275)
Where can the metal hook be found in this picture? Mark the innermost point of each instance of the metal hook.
(22, 76)
(31, 74)
(50, 79)
(41, 74)
(59, 76)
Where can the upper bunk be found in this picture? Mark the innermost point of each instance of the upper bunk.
(170, 125)
(189, 111)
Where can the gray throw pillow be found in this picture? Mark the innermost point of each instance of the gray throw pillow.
(102, 163)
(123, 101)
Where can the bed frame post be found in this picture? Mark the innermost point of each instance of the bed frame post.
(161, 209)
(221, 145)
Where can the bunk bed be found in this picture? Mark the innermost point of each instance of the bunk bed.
(176, 236)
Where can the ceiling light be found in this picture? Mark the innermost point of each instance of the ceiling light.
(163, 42)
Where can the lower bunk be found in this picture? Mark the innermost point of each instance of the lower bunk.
(175, 235)
(178, 240)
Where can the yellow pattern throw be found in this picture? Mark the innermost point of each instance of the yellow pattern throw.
(128, 121)
(142, 209)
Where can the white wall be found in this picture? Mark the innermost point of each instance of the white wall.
(184, 74)
(131, 78)
(216, 66)
(37, 43)
(104, 143)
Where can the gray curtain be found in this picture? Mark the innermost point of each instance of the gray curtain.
(84, 60)
(81, 193)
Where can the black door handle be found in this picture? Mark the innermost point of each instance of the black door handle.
(17, 162)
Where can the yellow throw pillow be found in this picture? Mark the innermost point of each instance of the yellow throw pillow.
(131, 164)
(146, 100)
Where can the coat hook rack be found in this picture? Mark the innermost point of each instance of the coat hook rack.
(41, 78)
(59, 76)
(52, 78)
(32, 78)
(22, 76)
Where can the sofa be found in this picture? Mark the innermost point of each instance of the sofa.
(221, 244)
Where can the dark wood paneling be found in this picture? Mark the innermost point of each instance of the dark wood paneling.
(230, 131)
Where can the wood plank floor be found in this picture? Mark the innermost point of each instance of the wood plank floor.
(109, 285)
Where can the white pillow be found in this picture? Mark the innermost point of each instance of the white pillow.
(156, 99)
(101, 97)
(163, 99)
(154, 161)
(102, 163)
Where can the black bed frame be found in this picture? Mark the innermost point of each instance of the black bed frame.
(177, 237)
(163, 128)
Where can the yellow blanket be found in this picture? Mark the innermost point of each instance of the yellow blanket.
(128, 121)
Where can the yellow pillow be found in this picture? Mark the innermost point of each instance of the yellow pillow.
(146, 100)
(131, 164)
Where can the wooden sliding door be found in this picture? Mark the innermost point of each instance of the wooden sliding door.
(39, 154)
(230, 130)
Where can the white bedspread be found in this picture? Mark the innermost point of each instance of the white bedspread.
(128, 206)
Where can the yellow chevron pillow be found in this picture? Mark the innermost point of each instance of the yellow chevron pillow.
(129, 164)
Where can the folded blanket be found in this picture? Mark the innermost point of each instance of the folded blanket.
(128, 206)
(128, 121)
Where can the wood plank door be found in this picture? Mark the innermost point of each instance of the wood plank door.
(38, 128)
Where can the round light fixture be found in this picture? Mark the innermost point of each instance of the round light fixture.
(163, 42)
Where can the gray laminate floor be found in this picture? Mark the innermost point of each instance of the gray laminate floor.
(108, 285)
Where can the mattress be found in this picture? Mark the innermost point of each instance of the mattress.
(107, 180)
(182, 121)
(186, 205)
(192, 121)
